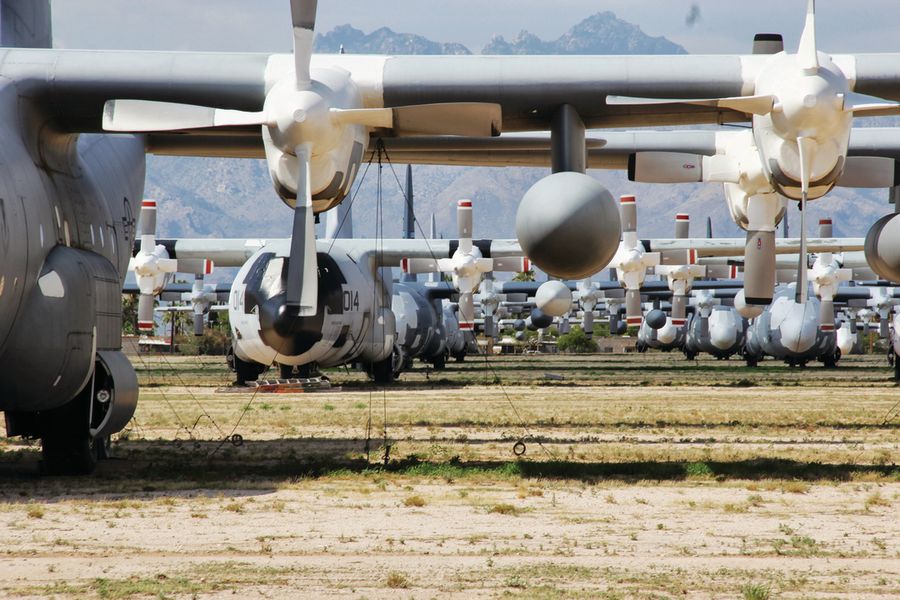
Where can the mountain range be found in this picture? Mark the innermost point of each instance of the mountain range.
(204, 197)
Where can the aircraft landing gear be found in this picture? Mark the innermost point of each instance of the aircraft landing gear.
(896, 361)
(830, 361)
(440, 363)
(381, 372)
(245, 371)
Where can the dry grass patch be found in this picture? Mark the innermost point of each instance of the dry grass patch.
(414, 501)
(397, 581)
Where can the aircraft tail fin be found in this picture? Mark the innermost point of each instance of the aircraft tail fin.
(25, 24)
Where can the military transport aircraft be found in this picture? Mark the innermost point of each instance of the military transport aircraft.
(71, 190)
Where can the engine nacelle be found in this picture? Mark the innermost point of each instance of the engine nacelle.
(748, 311)
(568, 225)
(352, 322)
(883, 247)
(665, 167)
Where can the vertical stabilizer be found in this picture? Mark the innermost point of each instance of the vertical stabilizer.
(25, 24)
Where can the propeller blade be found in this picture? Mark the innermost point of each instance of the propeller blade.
(135, 116)
(145, 313)
(826, 229)
(806, 147)
(168, 265)
(464, 225)
(419, 265)
(466, 311)
(303, 19)
(489, 326)
(759, 267)
(826, 316)
(679, 310)
(628, 210)
(195, 266)
(755, 105)
(303, 277)
(198, 325)
(147, 220)
(634, 315)
(862, 103)
(468, 119)
(807, 53)
(512, 264)
(587, 323)
(614, 323)
(682, 226)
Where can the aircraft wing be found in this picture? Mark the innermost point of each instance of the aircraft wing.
(605, 149)
(389, 252)
(73, 85)
(735, 246)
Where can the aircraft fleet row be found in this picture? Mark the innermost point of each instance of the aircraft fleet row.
(76, 127)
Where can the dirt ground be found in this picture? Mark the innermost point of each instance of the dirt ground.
(642, 477)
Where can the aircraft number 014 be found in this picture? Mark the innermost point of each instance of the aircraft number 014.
(351, 300)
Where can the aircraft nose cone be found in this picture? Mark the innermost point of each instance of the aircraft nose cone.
(667, 333)
(798, 330)
(721, 337)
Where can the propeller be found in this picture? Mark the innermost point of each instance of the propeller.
(826, 276)
(588, 295)
(152, 266)
(632, 261)
(680, 270)
(201, 298)
(467, 265)
(802, 109)
(309, 130)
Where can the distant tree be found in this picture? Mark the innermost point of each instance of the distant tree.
(524, 276)
(129, 314)
(576, 342)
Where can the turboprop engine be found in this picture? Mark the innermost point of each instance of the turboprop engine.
(568, 225)
(883, 247)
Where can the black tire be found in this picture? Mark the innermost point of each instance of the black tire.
(439, 363)
(381, 372)
(246, 371)
(896, 367)
(67, 453)
(751, 362)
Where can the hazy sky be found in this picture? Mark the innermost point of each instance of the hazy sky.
(723, 26)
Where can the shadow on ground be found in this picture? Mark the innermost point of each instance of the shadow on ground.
(160, 466)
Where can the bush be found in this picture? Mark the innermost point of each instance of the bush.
(576, 342)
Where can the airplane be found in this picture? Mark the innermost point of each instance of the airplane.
(78, 124)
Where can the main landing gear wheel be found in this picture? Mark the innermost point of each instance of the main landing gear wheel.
(68, 453)
(381, 372)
